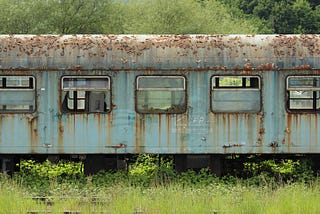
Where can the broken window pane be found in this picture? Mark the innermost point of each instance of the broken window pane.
(86, 94)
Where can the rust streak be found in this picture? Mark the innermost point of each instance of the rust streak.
(109, 129)
(168, 118)
(289, 128)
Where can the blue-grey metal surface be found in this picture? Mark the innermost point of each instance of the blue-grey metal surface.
(268, 128)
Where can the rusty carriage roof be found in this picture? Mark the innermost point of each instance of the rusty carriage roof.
(152, 52)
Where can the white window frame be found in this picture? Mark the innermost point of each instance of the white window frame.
(26, 93)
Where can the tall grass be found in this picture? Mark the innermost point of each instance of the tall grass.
(174, 198)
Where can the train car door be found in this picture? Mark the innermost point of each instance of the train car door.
(47, 111)
(17, 113)
(84, 123)
(236, 125)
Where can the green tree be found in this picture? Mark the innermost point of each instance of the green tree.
(131, 16)
(282, 16)
(22, 16)
(77, 16)
(305, 18)
(184, 17)
(53, 16)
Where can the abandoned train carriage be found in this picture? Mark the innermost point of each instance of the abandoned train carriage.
(99, 97)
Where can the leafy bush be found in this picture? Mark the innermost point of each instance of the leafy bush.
(108, 178)
(151, 169)
(202, 178)
(48, 170)
(40, 176)
(286, 170)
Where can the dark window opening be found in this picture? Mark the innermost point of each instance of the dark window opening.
(86, 94)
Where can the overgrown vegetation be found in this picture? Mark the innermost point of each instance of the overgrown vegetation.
(280, 171)
(152, 186)
(155, 170)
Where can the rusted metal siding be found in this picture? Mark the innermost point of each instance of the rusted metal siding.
(132, 52)
(124, 57)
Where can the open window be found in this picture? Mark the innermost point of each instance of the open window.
(89, 94)
(235, 94)
(161, 94)
(303, 93)
(17, 94)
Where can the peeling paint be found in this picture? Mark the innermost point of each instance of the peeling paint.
(199, 129)
(195, 52)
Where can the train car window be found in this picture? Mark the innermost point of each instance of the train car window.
(235, 94)
(303, 93)
(89, 94)
(17, 94)
(161, 94)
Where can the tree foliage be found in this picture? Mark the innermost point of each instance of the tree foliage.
(184, 16)
(282, 16)
(52, 16)
(131, 16)
(159, 16)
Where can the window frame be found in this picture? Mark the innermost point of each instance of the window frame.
(157, 111)
(313, 89)
(17, 88)
(213, 88)
(65, 94)
(30, 88)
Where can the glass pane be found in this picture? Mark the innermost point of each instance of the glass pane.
(81, 104)
(16, 82)
(301, 94)
(301, 99)
(70, 104)
(318, 103)
(235, 100)
(22, 100)
(161, 101)
(161, 82)
(301, 104)
(303, 82)
(85, 83)
(70, 94)
(81, 94)
(17, 107)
